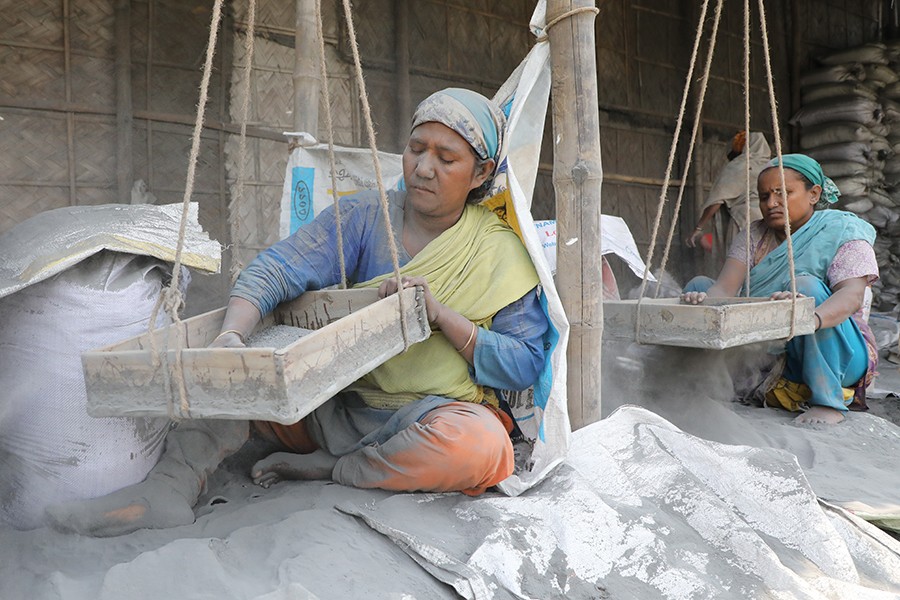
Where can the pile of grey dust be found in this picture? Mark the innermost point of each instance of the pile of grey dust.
(277, 336)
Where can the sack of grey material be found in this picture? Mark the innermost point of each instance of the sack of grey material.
(851, 109)
(834, 133)
(860, 152)
(844, 89)
(834, 74)
(880, 76)
(856, 205)
(845, 168)
(872, 53)
(50, 449)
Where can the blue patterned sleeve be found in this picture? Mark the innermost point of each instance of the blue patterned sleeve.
(510, 355)
(307, 260)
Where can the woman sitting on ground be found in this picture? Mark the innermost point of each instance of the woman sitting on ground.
(834, 262)
(428, 419)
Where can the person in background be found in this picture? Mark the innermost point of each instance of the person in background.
(834, 262)
(730, 188)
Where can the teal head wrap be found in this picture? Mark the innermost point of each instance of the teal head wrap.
(812, 171)
(478, 120)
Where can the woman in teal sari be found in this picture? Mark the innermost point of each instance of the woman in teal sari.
(834, 262)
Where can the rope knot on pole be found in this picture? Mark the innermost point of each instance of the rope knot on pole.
(566, 15)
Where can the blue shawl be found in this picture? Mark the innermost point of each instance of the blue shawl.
(815, 245)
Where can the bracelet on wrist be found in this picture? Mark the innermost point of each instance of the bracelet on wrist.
(235, 332)
(818, 321)
(469, 341)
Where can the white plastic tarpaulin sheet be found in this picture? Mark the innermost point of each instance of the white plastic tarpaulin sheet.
(639, 509)
(616, 239)
(51, 242)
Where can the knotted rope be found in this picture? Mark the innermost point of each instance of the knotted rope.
(171, 297)
(704, 81)
(747, 140)
(370, 130)
(777, 134)
(667, 178)
(566, 15)
(679, 122)
(237, 264)
(326, 94)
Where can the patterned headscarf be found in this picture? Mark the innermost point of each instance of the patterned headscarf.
(812, 170)
(478, 120)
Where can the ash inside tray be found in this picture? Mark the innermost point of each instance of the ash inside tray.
(277, 336)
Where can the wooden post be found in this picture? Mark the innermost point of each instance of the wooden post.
(577, 176)
(306, 70)
(124, 109)
(404, 102)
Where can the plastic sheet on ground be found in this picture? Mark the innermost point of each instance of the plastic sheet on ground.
(639, 509)
(642, 510)
(52, 241)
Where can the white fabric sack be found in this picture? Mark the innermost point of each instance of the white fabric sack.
(50, 449)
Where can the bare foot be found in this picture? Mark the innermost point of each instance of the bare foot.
(151, 504)
(286, 465)
(820, 415)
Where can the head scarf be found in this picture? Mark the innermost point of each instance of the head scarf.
(812, 170)
(737, 144)
(478, 120)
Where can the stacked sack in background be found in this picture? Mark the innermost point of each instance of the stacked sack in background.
(850, 123)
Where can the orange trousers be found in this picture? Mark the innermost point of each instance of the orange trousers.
(459, 446)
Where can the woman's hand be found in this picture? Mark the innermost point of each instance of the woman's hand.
(693, 297)
(433, 308)
(783, 296)
(691, 240)
(228, 339)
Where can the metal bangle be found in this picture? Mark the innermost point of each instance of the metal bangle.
(234, 331)
(471, 337)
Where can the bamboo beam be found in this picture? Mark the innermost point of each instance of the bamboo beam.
(306, 69)
(577, 176)
(7, 102)
(124, 114)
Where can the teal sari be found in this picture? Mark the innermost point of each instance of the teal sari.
(815, 245)
(836, 357)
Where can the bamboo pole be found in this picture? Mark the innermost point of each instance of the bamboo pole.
(124, 109)
(306, 69)
(577, 175)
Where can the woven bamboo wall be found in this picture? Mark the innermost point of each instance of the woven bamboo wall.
(58, 135)
(643, 54)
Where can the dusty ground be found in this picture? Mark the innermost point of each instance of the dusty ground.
(884, 396)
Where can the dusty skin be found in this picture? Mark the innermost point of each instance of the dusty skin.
(151, 504)
(282, 466)
(820, 415)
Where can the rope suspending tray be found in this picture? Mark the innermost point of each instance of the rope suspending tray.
(354, 333)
